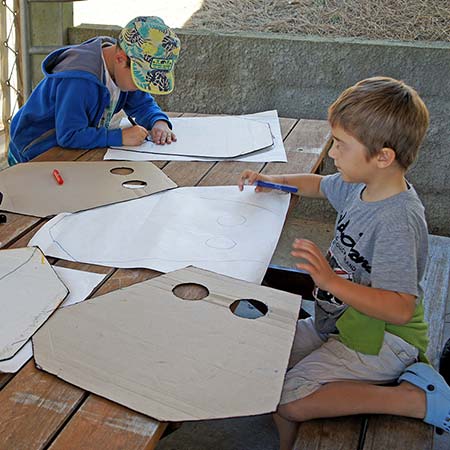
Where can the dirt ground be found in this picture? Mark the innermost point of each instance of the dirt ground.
(410, 20)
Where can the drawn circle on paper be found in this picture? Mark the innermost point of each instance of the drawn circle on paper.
(122, 171)
(134, 184)
(231, 220)
(249, 308)
(220, 242)
(190, 291)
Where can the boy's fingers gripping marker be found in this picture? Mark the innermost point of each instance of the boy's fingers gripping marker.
(58, 177)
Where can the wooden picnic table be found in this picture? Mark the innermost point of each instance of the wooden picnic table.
(39, 410)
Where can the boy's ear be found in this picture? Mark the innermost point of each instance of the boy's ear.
(121, 58)
(385, 157)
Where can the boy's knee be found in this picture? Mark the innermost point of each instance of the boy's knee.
(289, 411)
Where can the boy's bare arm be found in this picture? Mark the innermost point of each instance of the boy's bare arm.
(308, 185)
(393, 307)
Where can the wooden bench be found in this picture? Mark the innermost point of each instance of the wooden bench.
(373, 432)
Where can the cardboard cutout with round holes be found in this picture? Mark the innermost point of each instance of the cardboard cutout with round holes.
(171, 358)
(31, 188)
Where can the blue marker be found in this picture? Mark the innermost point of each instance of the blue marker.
(280, 187)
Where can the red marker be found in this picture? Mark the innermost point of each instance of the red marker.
(58, 177)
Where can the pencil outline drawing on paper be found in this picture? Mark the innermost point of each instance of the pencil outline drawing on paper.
(185, 226)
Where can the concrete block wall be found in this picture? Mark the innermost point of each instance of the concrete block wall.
(300, 76)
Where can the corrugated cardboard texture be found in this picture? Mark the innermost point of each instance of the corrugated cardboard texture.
(175, 359)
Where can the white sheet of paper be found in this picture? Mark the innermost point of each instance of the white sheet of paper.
(276, 153)
(215, 228)
(29, 293)
(80, 285)
(215, 137)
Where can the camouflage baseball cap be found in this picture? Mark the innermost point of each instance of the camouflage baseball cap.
(153, 49)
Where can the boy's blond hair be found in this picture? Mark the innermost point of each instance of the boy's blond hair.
(383, 112)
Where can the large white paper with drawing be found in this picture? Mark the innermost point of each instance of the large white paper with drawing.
(217, 137)
(275, 153)
(29, 293)
(215, 228)
(80, 285)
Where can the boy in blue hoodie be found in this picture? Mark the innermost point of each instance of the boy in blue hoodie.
(86, 84)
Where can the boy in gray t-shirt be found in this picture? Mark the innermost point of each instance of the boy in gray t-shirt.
(369, 327)
(382, 244)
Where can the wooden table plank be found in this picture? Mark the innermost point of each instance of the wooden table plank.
(385, 432)
(185, 173)
(15, 227)
(41, 402)
(305, 146)
(226, 173)
(25, 238)
(61, 154)
(287, 125)
(340, 433)
(4, 378)
(97, 154)
(126, 277)
(100, 424)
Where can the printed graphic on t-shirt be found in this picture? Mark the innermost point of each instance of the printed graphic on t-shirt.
(345, 242)
(325, 296)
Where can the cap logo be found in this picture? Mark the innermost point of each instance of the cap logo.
(161, 64)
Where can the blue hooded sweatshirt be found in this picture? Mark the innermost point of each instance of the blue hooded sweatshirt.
(65, 108)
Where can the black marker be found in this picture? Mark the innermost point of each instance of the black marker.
(133, 122)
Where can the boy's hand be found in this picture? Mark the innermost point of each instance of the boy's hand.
(161, 133)
(250, 177)
(134, 135)
(316, 264)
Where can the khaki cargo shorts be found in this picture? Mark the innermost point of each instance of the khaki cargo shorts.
(317, 359)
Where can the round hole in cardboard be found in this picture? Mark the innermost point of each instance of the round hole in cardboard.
(249, 308)
(190, 291)
(134, 184)
(122, 171)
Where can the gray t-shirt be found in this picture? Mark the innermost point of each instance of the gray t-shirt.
(380, 244)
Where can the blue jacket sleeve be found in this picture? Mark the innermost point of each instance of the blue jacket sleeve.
(79, 105)
(144, 108)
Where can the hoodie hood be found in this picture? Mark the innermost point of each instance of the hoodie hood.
(78, 58)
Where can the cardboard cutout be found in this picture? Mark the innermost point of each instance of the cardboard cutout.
(44, 189)
(174, 359)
